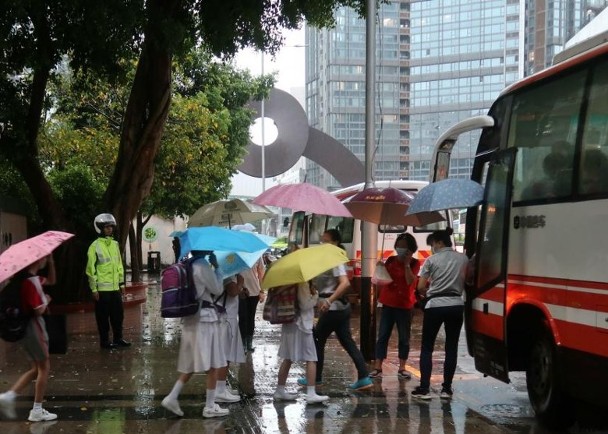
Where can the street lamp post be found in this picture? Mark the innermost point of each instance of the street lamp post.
(263, 133)
(262, 114)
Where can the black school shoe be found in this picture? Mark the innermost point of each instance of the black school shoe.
(107, 345)
(121, 343)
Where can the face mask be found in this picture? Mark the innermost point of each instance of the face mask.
(401, 251)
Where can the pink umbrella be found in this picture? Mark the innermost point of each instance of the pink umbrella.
(20, 255)
(387, 206)
(303, 197)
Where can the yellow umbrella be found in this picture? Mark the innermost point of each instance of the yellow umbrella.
(304, 264)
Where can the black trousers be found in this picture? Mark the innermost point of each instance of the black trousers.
(451, 317)
(247, 308)
(109, 311)
(337, 321)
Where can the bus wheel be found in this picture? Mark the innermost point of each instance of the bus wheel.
(549, 401)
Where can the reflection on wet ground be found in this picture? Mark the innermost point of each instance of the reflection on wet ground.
(111, 392)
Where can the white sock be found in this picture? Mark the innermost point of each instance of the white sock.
(177, 389)
(220, 387)
(210, 398)
(37, 406)
(9, 394)
(310, 390)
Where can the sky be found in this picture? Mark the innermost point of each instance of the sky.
(289, 66)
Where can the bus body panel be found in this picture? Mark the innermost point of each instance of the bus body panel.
(555, 294)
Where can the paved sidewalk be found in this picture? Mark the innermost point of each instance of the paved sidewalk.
(119, 391)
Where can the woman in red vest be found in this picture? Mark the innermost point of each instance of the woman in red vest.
(397, 299)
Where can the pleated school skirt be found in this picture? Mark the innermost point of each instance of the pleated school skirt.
(233, 344)
(296, 345)
(201, 347)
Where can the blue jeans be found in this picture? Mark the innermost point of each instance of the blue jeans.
(337, 321)
(389, 317)
(452, 317)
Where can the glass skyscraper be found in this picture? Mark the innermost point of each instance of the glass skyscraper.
(438, 62)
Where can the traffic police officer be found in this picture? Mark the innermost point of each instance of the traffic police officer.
(106, 280)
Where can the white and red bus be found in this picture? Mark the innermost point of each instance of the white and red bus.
(307, 229)
(539, 302)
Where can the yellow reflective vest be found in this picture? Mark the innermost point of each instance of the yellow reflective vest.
(104, 265)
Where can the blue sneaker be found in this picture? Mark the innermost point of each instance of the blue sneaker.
(304, 382)
(361, 384)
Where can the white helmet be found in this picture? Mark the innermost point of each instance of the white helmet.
(103, 220)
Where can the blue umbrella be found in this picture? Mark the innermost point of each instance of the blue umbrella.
(232, 263)
(214, 238)
(449, 193)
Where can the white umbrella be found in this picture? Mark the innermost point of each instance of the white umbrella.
(229, 213)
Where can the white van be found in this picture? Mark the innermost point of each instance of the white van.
(307, 229)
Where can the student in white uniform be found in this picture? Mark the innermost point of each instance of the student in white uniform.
(201, 347)
(298, 345)
(231, 336)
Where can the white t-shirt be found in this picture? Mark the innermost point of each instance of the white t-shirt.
(326, 283)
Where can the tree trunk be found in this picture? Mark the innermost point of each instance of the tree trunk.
(135, 258)
(144, 121)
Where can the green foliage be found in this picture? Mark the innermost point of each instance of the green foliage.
(99, 42)
(80, 192)
(202, 145)
(13, 186)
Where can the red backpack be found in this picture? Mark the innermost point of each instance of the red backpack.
(178, 297)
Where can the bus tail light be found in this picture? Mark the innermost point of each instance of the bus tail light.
(353, 268)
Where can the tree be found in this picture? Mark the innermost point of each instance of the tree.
(205, 137)
(36, 35)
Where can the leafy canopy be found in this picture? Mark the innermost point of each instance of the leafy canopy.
(202, 146)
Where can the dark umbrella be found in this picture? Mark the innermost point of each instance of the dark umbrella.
(387, 206)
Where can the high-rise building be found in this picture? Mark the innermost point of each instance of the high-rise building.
(438, 62)
(335, 88)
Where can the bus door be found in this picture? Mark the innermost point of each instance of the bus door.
(486, 299)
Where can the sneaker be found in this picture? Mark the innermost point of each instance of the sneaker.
(404, 375)
(284, 396)
(315, 399)
(172, 405)
(446, 393)
(421, 393)
(215, 411)
(376, 373)
(227, 397)
(304, 382)
(41, 416)
(7, 406)
(233, 391)
(361, 384)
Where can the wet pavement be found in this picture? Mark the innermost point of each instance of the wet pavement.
(119, 391)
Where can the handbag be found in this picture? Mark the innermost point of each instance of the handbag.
(381, 275)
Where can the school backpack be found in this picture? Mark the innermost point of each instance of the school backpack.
(281, 304)
(178, 293)
(13, 321)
